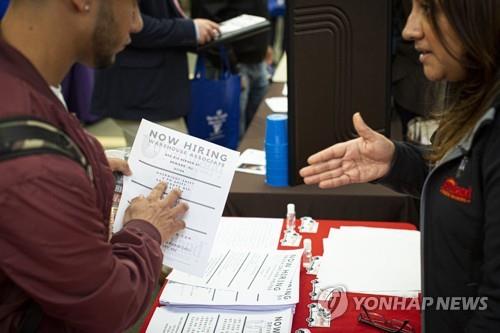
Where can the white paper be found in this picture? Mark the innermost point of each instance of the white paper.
(240, 22)
(244, 233)
(202, 170)
(252, 161)
(180, 294)
(389, 257)
(277, 104)
(246, 271)
(170, 320)
(285, 90)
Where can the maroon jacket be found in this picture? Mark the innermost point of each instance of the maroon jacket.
(53, 226)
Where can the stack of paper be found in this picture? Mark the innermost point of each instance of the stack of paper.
(248, 284)
(170, 320)
(372, 260)
(250, 279)
(241, 23)
(237, 28)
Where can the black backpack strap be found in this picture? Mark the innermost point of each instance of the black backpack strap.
(21, 137)
(26, 136)
(31, 318)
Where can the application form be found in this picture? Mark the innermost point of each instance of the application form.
(246, 271)
(168, 320)
(203, 172)
(185, 295)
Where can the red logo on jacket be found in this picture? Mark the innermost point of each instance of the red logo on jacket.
(452, 190)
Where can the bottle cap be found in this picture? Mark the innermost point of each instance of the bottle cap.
(290, 208)
(307, 245)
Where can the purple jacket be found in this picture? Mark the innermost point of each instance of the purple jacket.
(54, 226)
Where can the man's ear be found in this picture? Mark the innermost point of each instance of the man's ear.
(83, 6)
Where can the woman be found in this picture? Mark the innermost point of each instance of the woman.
(458, 179)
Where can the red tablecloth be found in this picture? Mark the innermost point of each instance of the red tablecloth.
(347, 323)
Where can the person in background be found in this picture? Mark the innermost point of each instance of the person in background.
(59, 271)
(250, 56)
(77, 89)
(150, 77)
(3, 7)
(458, 178)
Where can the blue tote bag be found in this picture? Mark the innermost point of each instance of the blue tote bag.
(215, 105)
(3, 7)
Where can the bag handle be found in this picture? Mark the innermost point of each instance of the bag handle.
(200, 71)
(200, 68)
(226, 68)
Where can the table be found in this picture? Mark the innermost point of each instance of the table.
(250, 196)
(347, 323)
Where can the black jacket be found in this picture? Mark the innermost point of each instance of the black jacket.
(460, 225)
(249, 50)
(150, 77)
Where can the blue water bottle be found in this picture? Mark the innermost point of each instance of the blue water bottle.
(276, 143)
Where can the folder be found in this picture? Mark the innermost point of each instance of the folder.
(238, 28)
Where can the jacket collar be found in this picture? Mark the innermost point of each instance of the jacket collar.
(465, 144)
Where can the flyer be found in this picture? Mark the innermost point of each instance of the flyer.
(203, 171)
(169, 320)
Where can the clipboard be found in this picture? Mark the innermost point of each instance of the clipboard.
(237, 28)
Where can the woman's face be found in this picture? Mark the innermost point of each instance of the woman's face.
(438, 63)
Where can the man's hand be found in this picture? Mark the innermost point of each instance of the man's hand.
(161, 212)
(207, 30)
(359, 160)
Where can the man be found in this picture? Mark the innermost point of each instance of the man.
(150, 78)
(250, 56)
(58, 271)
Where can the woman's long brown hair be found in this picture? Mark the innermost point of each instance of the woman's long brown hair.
(477, 24)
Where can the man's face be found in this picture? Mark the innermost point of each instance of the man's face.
(116, 20)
